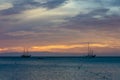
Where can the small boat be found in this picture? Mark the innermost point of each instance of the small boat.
(90, 53)
(26, 54)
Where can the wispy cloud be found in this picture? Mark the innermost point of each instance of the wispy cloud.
(5, 6)
(55, 22)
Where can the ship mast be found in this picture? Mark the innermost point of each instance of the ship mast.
(25, 51)
(90, 51)
(88, 48)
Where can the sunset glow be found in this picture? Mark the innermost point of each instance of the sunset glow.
(60, 26)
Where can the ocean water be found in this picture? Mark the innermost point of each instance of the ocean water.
(60, 68)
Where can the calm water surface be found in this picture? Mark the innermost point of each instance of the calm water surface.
(73, 68)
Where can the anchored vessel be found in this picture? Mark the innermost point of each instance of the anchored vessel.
(25, 54)
(90, 52)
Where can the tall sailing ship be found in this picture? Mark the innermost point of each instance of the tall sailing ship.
(90, 52)
(26, 54)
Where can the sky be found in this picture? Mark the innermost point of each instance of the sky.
(64, 26)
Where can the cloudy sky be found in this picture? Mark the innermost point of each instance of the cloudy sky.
(60, 26)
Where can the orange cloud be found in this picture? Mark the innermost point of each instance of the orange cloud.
(99, 45)
(3, 49)
(64, 47)
(59, 48)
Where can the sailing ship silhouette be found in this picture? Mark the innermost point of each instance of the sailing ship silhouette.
(90, 52)
(26, 54)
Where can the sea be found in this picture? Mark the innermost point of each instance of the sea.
(60, 68)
